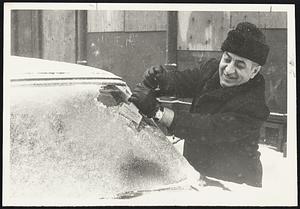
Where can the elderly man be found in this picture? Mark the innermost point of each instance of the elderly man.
(221, 131)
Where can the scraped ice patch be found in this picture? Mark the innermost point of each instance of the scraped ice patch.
(65, 144)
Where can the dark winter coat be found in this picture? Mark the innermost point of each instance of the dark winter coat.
(221, 131)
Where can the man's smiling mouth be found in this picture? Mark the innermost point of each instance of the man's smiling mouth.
(229, 77)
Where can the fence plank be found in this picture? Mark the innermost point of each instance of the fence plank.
(24, 39)
(59, 35)
(14, 32)
(202, 30)
(145, 21)
(36, 33)
(105, 21)
(81, 31)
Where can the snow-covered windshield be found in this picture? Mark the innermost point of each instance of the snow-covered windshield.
(69, 141)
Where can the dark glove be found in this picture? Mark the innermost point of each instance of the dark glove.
(145, 100)
(153, 75)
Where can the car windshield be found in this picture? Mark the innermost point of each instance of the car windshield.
(69, 141)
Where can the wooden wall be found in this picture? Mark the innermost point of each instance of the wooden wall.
(126, 42)
(126, 54)
(106, 21)
(25, 33)
(204, 31)
(270, 20)
(59, 35)
(47, 34)
(126, 21)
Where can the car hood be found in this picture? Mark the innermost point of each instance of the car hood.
(33, 68)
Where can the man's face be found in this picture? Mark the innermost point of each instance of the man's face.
(235, 70)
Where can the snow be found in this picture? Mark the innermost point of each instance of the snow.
(41, 68)
(276, 190)
(65, 145)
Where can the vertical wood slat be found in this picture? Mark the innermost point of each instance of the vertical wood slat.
(36, 33)
(24, 34)
(183, 25)
(145, 21)
(81, 37)
(171, 51)
(105, 21)
(59, 35)
(41, 33)
(14, 32)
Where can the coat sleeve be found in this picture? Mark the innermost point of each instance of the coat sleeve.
(214, 128)
(183, 83)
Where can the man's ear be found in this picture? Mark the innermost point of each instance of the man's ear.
(255, 70)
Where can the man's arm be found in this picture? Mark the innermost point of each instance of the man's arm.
(208, 128)
(183, 84)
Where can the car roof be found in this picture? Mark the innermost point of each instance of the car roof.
(33, 68)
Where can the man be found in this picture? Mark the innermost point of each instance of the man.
(221, 131)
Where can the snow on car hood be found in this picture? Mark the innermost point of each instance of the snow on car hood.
(33, 68)
(66, 145)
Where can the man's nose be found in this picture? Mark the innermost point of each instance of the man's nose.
(230, 69)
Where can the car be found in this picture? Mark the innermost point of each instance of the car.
(69, 141)
(70, 144)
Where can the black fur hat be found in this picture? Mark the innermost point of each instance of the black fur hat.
(246, 40)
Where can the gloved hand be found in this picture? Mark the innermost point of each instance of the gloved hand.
(153, 75)
(145, 100)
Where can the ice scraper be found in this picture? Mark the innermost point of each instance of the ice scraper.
(130, 111)
(126, 109)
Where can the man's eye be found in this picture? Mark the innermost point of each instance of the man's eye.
(240, 66)
(227, 59)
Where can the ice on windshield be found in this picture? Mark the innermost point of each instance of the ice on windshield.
(65, 143)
